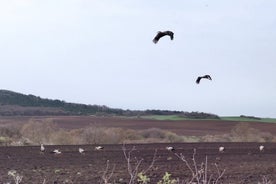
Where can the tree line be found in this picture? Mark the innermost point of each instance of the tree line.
(13, 103)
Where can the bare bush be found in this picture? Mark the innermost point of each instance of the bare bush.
(242, 132)
(130, 135)
(38, 131)
(153, 133)
(133, 164)
(199, 172)
(265, 180)
(11, 131)
(216, 138)
(173, 137)
(76, 136)
(16, 176)
(61, 137)
(93, 135)
(107, 174)
(159, 135)
(102, 135)
(114, 135)
(9, 134)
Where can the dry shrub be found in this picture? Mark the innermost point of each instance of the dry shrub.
(153, 133)
(242, 132)
(38, 131)
(267, 137)
(173, 137)
(114, 135)
(131, 135)
(76, 136)
(191, 139)
(5, 141)
(216, 138)
(159, 135)
(93, 135)
(102, 135)
(61, 137)
(11, 131)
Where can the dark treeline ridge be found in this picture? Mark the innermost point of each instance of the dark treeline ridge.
(250, 117)
(17, 104)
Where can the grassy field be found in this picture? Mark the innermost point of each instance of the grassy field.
(226, 118)
(237, 118)
(165, 117)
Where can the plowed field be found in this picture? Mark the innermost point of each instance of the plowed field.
(243, 162)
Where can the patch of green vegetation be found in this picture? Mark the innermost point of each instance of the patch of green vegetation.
(244, 119)
(172, 118)
(167, 179)
(224, 118)
(164, 117)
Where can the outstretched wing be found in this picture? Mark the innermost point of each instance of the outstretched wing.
(207, 77)
(157, 37)
(169, 33)
(198, 80)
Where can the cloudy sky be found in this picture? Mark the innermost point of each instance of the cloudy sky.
(101, 52)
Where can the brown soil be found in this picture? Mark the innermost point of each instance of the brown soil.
(185, 127)
(243, 162)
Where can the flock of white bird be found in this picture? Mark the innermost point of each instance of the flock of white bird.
(170, 148)
(57, 151)
(221, 148)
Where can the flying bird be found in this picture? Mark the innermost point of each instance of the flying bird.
(160, 34)
(203, 77)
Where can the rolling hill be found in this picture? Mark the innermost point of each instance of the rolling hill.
(18, 104)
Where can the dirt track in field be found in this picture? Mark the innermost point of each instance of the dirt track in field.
(243, 163)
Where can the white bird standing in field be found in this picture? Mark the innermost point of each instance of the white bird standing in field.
(56, 151)
(42, 148)
(170, 148)
(221, 149)
(99, 148)
(261, 148)
(81, 150)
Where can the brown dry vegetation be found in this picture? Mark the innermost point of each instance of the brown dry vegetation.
(107, 130)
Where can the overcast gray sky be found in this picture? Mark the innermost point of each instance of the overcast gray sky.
(101, 52)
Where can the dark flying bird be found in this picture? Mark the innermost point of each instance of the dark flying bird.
(161, 34)
(205, 77)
